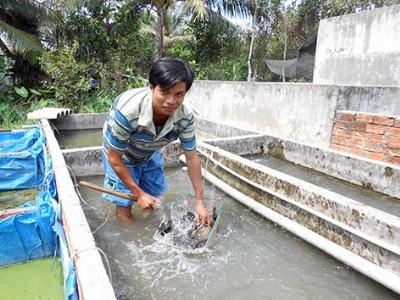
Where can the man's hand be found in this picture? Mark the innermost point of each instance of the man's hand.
(147, 201)
(203, 215)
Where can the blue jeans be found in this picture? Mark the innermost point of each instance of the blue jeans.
(148, 176)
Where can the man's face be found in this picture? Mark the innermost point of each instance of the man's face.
(166, 102)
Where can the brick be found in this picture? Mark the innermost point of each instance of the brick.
(394, 151)
(375, 128)
(383, 120)
(376, 155)
(358, 126)
(366, 118)
(340, 140)
(357, 142)
(375, 146)
(394, 160)
(393, 132)
(397, 123)
(337, 130)
(392, 140)
(341, 148)
(341, 132)
(345, 116)
(377, 138)
(359, 152)
(342, 124)
(362, 135)
(393, 143)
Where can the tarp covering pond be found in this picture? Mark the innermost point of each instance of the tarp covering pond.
(21, 159)
(35, 232)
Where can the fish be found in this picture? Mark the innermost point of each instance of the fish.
(187, 233)
(166, 225)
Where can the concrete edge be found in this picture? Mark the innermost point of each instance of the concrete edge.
(93, 282)
(380, 226)
(375, 175)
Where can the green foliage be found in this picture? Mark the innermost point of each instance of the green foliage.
(100, 51)
(91, 35)
(182, 50)
(132, 52)
(15, 102)
(69, 79)
(218, 52)
(9, 113)
(22, 91)
(5, 73)
(226, 69)
(84, 86)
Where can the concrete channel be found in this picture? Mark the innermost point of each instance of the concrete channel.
(363, 235)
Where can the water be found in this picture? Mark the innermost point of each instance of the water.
(385, 203)
(250, 257)
(15, 198)
(69, 139)
(38, 279)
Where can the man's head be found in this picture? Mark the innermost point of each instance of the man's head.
(167, 72)
(170, 79)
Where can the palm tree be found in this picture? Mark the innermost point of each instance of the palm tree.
(20, 22)
(199, 9)
(174, 27)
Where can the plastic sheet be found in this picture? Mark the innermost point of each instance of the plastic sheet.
(37, 233)
(28, 235)
(21, 159)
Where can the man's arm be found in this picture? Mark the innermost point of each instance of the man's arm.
(145, 200)
(194, 170)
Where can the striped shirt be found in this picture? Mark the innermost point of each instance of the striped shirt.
(130, 128)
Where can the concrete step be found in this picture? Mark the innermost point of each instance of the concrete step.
(368, 232)
(358, 193)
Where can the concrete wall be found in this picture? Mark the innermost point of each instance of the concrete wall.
(359, 49)
(378, 100)
(81, 121)
(300, 112)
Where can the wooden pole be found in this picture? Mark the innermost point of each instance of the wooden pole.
(108, 191)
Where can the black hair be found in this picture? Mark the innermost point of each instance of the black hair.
(168, 71)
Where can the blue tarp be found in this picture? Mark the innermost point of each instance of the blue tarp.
(29, 235)
(21, 159)
(37, 233)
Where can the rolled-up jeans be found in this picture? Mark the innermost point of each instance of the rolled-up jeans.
(149, 176)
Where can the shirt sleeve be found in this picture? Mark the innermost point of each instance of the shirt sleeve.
(187, 135)
(118, 131)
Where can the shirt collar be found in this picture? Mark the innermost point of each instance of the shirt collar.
(146, 112)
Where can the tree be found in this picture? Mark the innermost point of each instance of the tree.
(175, 29)
(253, 33)
(20, 37)
(199, 9)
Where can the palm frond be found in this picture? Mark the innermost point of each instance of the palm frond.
(236, 8)
(20, 41)
(33, 9)
(179, 38)
(220, 21)
(197, 7)
(67, 5)
(147, 29)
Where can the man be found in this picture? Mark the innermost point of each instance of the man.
(141, 122)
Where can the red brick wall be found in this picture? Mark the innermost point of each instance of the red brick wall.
(368, 135)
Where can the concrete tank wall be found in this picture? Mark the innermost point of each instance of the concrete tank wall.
(375, 100)
(359, 49)
(301, 112)
(294, 111)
